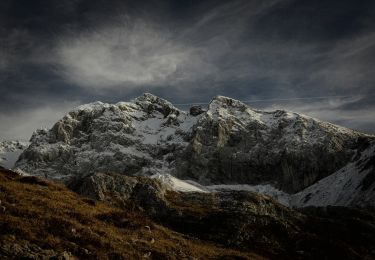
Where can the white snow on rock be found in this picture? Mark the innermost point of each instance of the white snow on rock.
(149, 136)
(175, 184)
(346, 187)
(128, 137)
(299, 129)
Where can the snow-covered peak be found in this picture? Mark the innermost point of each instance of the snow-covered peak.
(225, 102)
(91, 106)
(150, 98)
(230, 143)
(151, 103)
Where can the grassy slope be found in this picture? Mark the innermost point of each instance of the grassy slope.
(49, 216)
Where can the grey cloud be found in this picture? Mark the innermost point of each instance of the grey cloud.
(131, 55)
(139, 52)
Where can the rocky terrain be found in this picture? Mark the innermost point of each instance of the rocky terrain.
(140, 137)
(238, 219)
(139, 218)
(40, 219)
(143, 179)
(228, 146)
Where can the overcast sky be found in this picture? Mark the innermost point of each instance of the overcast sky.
(55, 55)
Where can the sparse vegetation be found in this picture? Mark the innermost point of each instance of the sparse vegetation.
(41, 219)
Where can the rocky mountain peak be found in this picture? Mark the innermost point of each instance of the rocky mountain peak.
(228, 143)
(151, 103)
(225, 102)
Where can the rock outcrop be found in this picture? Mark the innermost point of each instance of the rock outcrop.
(196, 110)
(233, 143)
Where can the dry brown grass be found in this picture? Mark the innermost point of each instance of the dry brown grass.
(52, 217)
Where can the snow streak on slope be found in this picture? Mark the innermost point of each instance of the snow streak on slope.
(175, 184)
(353, 185)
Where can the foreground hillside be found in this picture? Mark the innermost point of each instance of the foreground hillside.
(139, 218)
(240, 219)
(40, 220)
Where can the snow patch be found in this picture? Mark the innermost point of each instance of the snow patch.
(176, 184)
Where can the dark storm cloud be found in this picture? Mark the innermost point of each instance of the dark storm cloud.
(57, 54)
(316, 21)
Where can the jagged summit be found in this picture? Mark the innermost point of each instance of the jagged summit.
(222, 101)
(151, 98)
(91, 106)
(229, 143)
(150, 102)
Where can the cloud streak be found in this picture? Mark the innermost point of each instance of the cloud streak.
(131, 55)
(140, 52)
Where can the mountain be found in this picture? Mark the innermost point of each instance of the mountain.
(10, 151)
(128, 137)
(233, 143)
(228, 146)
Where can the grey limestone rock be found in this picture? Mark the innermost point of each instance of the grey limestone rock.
(230, 143)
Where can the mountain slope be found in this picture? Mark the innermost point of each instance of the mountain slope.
(240, 219)
(43, 220)
(127, 138)
(233, 143)
(352, 185)
(228, 144)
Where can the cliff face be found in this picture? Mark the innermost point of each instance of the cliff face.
(131, 138)
(232, 143)
(229, 143)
